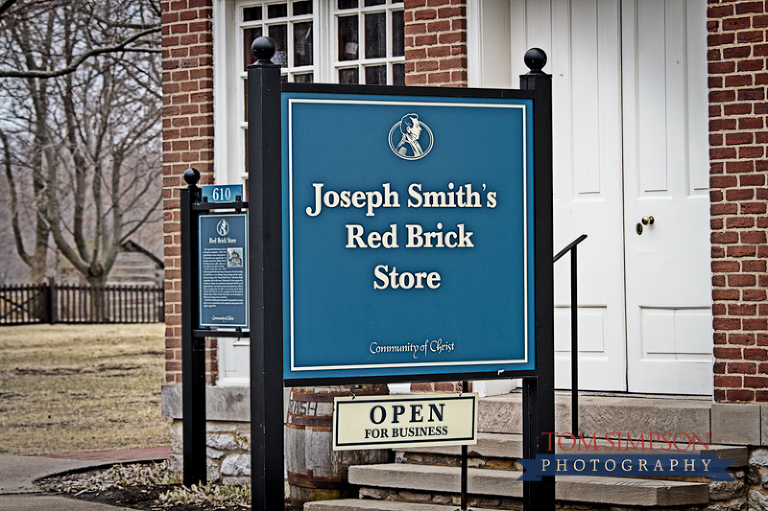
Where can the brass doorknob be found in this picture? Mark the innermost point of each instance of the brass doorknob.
(646, 220)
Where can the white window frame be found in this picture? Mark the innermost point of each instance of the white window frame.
(362, 62)
(490, 27)
(229, 79)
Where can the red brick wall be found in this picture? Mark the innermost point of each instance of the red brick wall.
(436, 43)
(738, 48)
(187, 142)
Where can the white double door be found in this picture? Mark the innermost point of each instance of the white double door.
(630, 138)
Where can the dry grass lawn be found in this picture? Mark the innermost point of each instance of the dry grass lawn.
(73, 388)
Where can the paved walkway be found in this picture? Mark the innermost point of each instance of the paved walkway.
(18, 474)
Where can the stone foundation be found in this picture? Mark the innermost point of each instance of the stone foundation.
(228, 432)
(228, 451)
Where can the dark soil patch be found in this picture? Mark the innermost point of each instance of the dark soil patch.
(146, 498)
(52, 371)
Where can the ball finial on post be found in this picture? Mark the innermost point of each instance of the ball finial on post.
(535, 59)
(192, 176)
(263, 49)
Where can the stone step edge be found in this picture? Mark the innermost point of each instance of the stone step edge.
(509, 445)
(379, 505)
(602, 413)
(503, 483)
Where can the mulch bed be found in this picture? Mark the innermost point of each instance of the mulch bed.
(145, 496)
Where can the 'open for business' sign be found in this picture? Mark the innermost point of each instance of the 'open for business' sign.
(385, 422)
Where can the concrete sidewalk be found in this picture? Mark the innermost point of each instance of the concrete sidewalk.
(18, 491)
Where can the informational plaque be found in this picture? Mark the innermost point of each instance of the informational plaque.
(223, 270)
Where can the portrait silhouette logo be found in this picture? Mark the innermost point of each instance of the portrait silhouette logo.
(410, 138)
(222, 227)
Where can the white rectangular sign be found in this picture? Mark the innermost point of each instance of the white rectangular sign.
(384, 422)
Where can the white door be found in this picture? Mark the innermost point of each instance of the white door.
(666, 176)
(630, 107)
(582, 41)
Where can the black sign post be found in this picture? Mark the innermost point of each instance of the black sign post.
(539, 392)
(266, 288)
(192, 347)
(194, 276)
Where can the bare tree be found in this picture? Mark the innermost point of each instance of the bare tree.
(80, 108)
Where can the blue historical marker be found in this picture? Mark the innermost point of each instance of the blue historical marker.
(407, 235)
(223, 270)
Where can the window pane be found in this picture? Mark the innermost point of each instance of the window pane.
(280, 34)
(304, 7)
(398, 31)
(368, 3)
(252, 13)
(376, 75)
(305, 78)
(249, 34)
(349, 75)
(277, 11)
(375, 35)
(398, 74)
(348, 38)
(347, 4)
(397, 1)
(302, 44)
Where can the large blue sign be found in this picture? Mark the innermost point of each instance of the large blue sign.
(223, 270)
(407, 235)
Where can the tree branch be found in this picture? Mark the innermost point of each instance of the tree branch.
(5, 5)
(72, 67)
(143, 219)
(14, 200)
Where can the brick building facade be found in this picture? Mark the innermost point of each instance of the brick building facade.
(436, 53)
(443, 41)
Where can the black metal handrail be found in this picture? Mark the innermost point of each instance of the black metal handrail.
(573, 249)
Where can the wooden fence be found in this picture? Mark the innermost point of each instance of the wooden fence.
(63, 303)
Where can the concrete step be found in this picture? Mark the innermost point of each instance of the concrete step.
(503, 483)
(600, 414)
(379, 505)
(500, 445)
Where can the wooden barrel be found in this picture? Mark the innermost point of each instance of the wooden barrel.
(315, 470)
